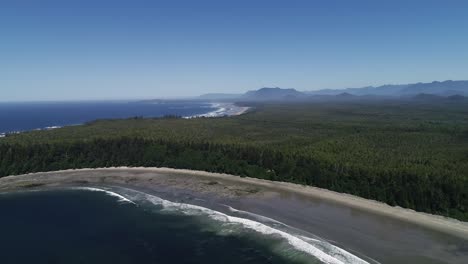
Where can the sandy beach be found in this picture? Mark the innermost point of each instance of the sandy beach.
(224, 109)
(374, 231)
(226, 186)
(242, 110)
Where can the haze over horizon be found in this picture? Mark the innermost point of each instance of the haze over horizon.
(58, 50)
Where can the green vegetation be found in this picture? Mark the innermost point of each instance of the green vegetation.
(402, 153)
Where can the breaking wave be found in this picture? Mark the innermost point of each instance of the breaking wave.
(320, 249)
(220, 110)
(119, 197)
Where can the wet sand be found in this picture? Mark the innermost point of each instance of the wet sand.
(378, 231)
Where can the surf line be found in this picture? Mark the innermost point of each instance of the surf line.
(310, 246)
(119, 197)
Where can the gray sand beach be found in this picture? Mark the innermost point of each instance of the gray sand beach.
(374, 231)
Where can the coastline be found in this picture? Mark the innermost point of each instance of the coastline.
(227, 186)
(222, 110)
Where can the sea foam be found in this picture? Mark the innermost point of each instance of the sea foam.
(321, 250)
(220, 110)
(120, 198)
(256, 216)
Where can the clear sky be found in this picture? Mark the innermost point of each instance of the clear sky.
(91, 49)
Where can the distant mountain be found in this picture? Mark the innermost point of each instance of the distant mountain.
(345, 95)
(427, 97)
(267, 94)
(446, 88)
(454, 90)
(384, 90)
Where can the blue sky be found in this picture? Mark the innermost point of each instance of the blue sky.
(65, 50)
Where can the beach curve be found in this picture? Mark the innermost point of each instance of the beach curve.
(436, 222)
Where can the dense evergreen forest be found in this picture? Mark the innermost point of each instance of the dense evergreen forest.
(414, 155)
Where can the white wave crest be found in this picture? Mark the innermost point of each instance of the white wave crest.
(120, 198)
(330, 249)
(335, 251)
(317, 248)
(220, 110)
(52, 127)
(256, 216)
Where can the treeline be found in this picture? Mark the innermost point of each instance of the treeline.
(433, 192)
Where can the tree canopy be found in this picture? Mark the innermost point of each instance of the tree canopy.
(414, 155)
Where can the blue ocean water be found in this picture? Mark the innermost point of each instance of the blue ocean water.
(40, 115)
(75, 226)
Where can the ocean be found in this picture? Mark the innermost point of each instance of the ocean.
(119, 225)
(89, 225)
(115, 224)
(17, 117)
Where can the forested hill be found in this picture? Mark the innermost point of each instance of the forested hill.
(412, 155)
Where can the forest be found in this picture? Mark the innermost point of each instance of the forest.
(410, 154)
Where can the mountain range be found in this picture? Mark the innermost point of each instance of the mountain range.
(445, 88)
(417, 90)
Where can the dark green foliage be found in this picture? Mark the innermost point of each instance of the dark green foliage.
(414, 156)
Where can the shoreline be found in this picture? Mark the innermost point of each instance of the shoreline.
(222, 110)
(193, 180)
